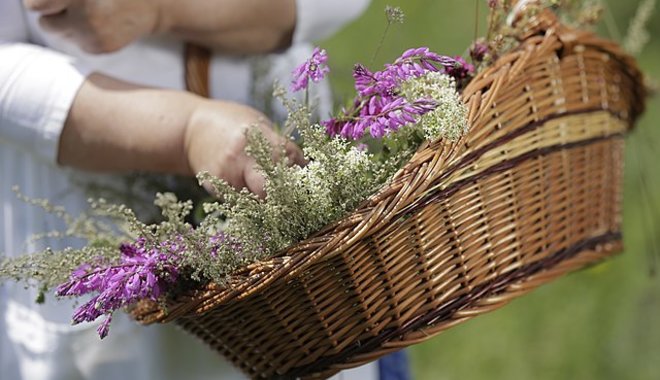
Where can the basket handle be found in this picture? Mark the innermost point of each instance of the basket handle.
(196, 65)
(541, 22)
(546, 20)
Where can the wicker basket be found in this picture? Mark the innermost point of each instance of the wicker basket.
(531, 192)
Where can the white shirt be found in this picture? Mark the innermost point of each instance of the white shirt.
(39, 77)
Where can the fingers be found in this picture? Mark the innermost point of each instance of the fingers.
(254, 180)
(294, 154)
(47, 7)
(291, 150)
(253, 177)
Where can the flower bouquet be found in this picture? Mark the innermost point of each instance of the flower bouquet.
(440, 192)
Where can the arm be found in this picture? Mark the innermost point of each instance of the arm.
(229, 26)
(116, 126)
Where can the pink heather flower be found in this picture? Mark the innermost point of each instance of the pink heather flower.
(478, 51)
(379, 108)
(314, 69)
(413, 63)
(221, 239)
(379, 118)
(104, 327)
(460, 70)
(142, 273)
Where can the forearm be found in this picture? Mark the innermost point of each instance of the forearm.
(114, 126)
(232, 26)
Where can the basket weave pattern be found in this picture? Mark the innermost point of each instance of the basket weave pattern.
(531, 192)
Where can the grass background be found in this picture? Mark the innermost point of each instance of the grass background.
(600, 323)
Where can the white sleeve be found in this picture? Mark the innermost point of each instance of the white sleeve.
(37, 88)
(318, 19)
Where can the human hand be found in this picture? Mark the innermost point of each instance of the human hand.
(98, 26)
(215, 142)
(116, 126)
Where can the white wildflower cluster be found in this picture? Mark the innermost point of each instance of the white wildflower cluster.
(394, 15)
(449, 119)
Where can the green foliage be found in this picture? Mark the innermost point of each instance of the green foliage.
(49, 269)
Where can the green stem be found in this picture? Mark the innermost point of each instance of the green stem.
(380, 44)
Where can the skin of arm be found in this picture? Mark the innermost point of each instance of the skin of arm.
(115, 126)
(229, 26)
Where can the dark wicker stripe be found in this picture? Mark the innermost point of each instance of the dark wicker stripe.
(492, 288)
(498, 168)
(474, 156)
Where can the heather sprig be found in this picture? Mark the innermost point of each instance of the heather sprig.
(314, 69)
(381, 108)
(379, 117)
(411, 64)
(143, 272)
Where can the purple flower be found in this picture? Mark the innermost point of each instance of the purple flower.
(379, 108)
(332, 126)
(315, 68)
(363, 77)
(222, 239)
(380, 118)
(104, 327)
(142, 272)
(478, 51)
(460, 70)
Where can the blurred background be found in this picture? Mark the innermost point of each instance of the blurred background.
(600, 323)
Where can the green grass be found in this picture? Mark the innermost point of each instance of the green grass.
(601, 323)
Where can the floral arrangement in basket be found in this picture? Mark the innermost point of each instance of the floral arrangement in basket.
(414, 102)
